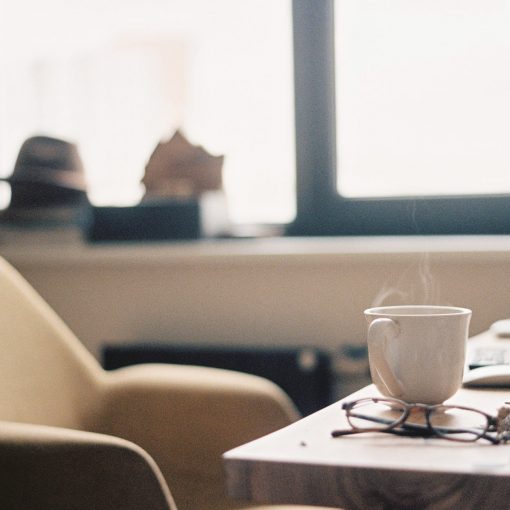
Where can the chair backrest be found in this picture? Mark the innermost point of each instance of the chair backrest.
(46, 375)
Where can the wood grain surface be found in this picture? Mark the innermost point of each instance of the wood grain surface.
(303, 464)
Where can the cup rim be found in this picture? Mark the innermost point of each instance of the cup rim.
(417, 311)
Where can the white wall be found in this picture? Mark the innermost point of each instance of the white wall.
(262, 292)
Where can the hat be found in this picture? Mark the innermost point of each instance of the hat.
(49, 161)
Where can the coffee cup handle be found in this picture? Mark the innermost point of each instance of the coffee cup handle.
(379, 332)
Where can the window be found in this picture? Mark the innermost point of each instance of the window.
(336, 117)
(117, 77)
(404, 108)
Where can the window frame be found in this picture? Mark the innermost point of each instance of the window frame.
(320, 210)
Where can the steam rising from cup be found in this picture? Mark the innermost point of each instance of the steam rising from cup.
(415, 284)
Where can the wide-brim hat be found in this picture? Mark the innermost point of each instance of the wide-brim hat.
(49, 161)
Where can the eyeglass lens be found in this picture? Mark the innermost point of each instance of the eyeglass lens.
(375, 414)
(457, 423)
(449, 422)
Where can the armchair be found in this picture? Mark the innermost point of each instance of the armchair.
(74, 436)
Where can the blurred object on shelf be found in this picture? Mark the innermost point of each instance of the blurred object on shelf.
(159, 220)
(178, 168)
(47, 184)
(184, 199)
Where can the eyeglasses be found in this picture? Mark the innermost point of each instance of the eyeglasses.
(454, 423)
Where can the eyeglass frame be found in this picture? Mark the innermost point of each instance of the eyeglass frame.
(418, 430)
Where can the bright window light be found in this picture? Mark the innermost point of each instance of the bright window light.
(117, 77)
(423, 102)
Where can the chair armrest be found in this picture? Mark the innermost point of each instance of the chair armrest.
(186, 417)
(47, 467)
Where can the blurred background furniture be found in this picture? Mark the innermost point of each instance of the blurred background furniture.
(303, 372)
(75, 436)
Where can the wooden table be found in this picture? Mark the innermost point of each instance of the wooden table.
(303, 464)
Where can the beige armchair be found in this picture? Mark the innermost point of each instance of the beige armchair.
(73, 436)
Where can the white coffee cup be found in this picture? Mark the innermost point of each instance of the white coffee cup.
(416, 352)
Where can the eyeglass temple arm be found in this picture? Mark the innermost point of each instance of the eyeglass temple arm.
(409, 429)
(374, 419)
(412, 426)
(406, 432)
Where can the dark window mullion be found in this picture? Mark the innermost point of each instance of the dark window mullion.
(313, 23)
